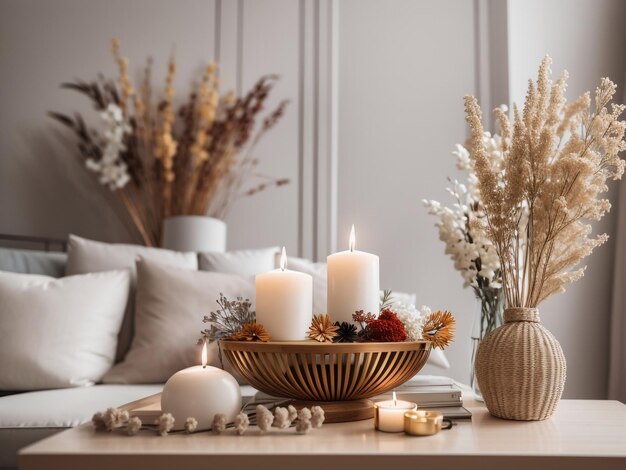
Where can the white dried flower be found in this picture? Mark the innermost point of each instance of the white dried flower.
(303, 426)
(293, 413)
(134, 425)
(165, 423)
(411, 318)
(304, 414)
(191, 424)
(114, 418)
(241, 423)
(469, 247)
(98, 421)
(111, 169)
(281, 418)
(318, 416)
(219, 423)
(264, 418)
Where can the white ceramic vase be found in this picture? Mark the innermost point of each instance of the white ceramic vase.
(194, 233)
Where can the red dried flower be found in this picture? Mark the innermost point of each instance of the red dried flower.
(386, 328)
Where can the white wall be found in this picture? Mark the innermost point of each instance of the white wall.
(404, 67)
(376, 92)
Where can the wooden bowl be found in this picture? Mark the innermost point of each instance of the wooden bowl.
(312, 371)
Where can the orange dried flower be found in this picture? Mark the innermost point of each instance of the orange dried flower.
(252, 332)
(439, 329)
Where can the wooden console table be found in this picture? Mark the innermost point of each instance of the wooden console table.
(582, 434)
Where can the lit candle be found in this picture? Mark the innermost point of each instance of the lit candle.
(389, 414)
(353, 282)
(284, 302)
(201, 392)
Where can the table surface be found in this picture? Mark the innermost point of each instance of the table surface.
(580, 434)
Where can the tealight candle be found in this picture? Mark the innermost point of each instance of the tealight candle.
(389, 414)
(201, 392)
(422, 423)
(353, 282)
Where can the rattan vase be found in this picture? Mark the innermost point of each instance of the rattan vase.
(520, 368)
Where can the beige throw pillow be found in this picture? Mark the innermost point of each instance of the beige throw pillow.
(170, 305)
(58, 333)
(241, 262)
(87, 256)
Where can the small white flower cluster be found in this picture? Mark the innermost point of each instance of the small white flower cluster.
(111, 419)
(471, 251)
(112, 171)
(282, 418)
(241, 423)
(264, 418)
(165, 423)
(411, 318)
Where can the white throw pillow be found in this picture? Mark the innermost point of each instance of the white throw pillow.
(171, 303)
(241, 262)
(58, 333)
(88, 256)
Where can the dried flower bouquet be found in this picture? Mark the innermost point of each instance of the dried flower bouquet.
(163, 162)
(558, 157)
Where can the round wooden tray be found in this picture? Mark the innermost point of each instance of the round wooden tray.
(324, 372)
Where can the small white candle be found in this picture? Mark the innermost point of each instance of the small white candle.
(353, 282)
(201, 392)
(284, 302)
(390, 414)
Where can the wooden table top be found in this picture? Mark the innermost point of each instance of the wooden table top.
(580, 434)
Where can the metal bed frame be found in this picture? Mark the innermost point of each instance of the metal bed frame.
(28, 242)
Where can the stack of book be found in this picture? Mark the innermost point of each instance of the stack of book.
(432, 392)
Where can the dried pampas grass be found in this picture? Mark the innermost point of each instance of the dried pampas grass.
(558, 159)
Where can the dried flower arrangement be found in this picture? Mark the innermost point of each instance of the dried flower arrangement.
(233, 320)
(471, 250)
(162, 162)
(304, 420)
(395, 322)
(557, 158)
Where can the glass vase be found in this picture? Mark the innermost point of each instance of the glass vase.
(487, 317)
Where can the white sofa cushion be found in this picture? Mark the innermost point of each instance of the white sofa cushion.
(65, 408)
(59, 332)
(241, 262)
(171, 303)
(26, 418)
(88, 256)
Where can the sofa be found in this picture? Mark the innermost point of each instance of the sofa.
(27, 416)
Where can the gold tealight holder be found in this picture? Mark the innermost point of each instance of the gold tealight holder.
(424, 423)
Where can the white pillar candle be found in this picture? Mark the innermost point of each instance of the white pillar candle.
(284, 302)
(353, 283)
(201, 392)
(389, 414)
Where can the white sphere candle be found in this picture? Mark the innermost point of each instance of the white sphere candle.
(353, 282)
(284, 302)
(389, 414)
(201, 392)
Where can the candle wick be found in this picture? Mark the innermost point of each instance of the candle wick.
(204, 366)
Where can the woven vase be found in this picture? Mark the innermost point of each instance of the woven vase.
(520, 368)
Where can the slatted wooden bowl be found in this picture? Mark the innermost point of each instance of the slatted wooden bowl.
(324, 372)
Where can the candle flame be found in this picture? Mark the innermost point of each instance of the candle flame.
(204, 355)
(352, 239)
(395, 401)
(283, 259)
